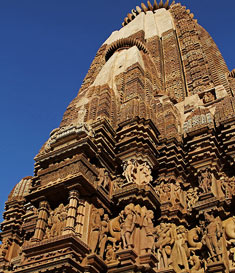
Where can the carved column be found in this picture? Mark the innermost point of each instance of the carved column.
(72, 212)
(80, 218)
(42, 221)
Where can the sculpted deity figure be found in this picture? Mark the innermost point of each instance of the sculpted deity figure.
(128, 226)
(96, 225)
(164, 192)
(229, 229)
(175, 193)
(205, 181)
(180, 251)
(103, 234)
(57, 221)
(144, 172)
(104, 179)
(148, 232)
(165, 239)
(115, 226)
(192, 197)
(137, 173)
(129, 171)
(213, 236)
(228, 186)
(4, 246)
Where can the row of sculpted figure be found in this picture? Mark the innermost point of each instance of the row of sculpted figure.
(174, 246)
(171, 191)
(133, 224)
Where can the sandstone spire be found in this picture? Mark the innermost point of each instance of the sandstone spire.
(139, 176)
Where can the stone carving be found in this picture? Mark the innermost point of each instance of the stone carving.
(56, 222)
(208, 97)
(175, 247)
(196, 264)
(110, 254)
(227, 185)
(96, 226)
(176, 194)
(212, 237)
(103, 236)
(164, 192)
(6, 242)
(180, 251)
(229, 229)
(165, 234)
(137, 173)
(205, 181)
(129, 171)
(147, 242)
(104, 179)
(128, 226)
(172, 193)
(193, 239)
(192, 197)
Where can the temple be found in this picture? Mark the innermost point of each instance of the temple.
(139, 176)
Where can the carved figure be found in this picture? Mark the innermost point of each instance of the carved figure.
(164, 192)
(4, 247)
(95, 228)
(180, 251)
(115, 226)
(175, 193)
(208, 97)
(104, 179)
(128, 226)
(165, 240)
(103, 234)
(137, 173)
(128, 171)
(193, 239)
(192, 197)
(229, 229)
(213, 236)
(57, 221)
(110, 254)
(195, 262)
(148, 232)
(228, 186)
(205, 181)
(144, 173)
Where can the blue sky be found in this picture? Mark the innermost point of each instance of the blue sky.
(46, 48)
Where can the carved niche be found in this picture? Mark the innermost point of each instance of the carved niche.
(56, 222)
(138, 173)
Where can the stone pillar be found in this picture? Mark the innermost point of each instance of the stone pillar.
(80, 218)
(72, 212)
(41, 222)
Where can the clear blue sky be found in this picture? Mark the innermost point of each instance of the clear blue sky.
(46, 48)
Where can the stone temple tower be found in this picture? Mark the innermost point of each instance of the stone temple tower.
(139, 176)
